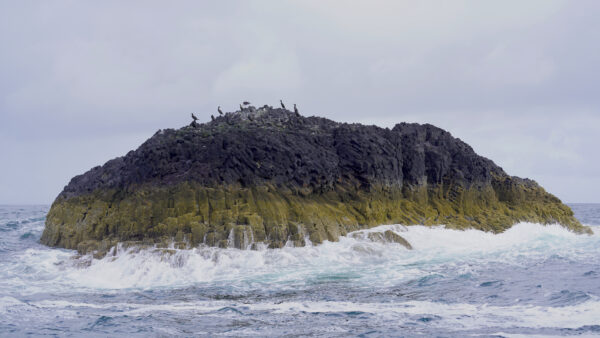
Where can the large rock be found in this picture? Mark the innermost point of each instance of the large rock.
(269, 176)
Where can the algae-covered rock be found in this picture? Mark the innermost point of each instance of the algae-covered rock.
(393, 237)
(387, 236)
(269, 176)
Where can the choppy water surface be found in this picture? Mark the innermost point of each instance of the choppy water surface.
(532, 279)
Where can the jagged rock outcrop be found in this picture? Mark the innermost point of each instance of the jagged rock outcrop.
(269, 176)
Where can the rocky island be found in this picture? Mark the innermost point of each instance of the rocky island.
(269, 176)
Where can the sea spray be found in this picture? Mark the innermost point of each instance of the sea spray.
(372, 262)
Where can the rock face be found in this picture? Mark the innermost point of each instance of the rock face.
(269, 176)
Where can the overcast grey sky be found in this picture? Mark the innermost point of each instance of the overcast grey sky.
(82, 82)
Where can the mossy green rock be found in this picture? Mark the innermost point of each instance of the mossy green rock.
(270, 176)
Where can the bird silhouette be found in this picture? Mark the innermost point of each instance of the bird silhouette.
(212, 117)
(220, 111)
(194, 117)
(282, 105)
(296, 110)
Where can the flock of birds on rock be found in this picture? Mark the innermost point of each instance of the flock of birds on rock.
(245, 103)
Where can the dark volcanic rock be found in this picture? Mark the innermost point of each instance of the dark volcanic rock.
(270, 175)
(280, 148)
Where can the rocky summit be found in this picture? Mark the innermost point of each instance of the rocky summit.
(270, 177)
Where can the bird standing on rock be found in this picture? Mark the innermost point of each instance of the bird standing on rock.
(282, 105)
(212, 117)
(296, 110)
(194, 117)
(219, 110)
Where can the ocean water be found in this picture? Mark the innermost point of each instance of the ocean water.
(530, 280)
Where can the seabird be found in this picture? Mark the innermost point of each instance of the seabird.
(220, 111)
(194, 117)
(212, 117)
(245, 103)
(282, 105)
(296, 110)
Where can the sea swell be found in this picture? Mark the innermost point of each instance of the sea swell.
(531, 279)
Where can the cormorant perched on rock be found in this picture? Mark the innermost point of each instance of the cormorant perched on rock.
(194, 117)
(212, 117)
(296, 110)
(220, 111)
(245, 103)
(282, 105)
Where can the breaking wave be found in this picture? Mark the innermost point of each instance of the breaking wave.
(531, 279)
(435, 249)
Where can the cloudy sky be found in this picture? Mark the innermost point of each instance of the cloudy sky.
(82, 82)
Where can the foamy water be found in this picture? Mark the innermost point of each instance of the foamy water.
(531, 279)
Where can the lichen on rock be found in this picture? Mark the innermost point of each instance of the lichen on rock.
(269, 176)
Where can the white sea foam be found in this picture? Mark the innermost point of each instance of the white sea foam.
(7, 302)
(52, 273)
(465, 316)
(371, 263)
(459, 314)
